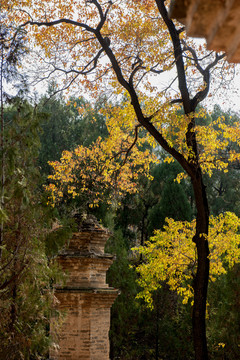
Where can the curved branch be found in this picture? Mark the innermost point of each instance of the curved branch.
(60, 21)
(100, 11)
(132, 145)
(201, 95)
(135, 70)
(137, 107)
(174, 33)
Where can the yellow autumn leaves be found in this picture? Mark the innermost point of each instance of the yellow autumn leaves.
(219, 144)
(103, 168)
(170, 255)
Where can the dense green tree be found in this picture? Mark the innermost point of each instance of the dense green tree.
(174, 198)
(25, 295)
(26, 273)
(67, 125)
(223, 318)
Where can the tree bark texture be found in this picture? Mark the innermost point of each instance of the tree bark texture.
(200, 284)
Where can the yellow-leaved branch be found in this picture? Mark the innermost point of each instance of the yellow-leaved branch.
(108, 167)
(170, 255)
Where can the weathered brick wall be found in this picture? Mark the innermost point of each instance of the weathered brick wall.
(84, 333)
(86, 271)
(89, 240)
(86, 298)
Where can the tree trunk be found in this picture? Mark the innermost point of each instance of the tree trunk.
(1, 147)
(190, 165)
(202, 276)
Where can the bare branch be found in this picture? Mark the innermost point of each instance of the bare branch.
(60, 21)
(177, 55)
(194, 54)
(134, 142)
(176, 101)
(201, 95)
(217, 59)
(181, 30)
(138, 66)
(100, 11)
(84, 71)
(67, 86)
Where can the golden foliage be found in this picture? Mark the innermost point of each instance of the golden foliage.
(91, 173)
(140, 44)
(170, 255)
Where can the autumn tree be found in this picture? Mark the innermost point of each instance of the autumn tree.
(128, 45)
(223, 187)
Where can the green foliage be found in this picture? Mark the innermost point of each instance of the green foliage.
(223, 316)
(223, 191)
(26, 305)
(57, 238)
(13, 48)
(67, 125)
(126, 313)
(26, 297)
(173, 197)
(141, 213)
(54, 135)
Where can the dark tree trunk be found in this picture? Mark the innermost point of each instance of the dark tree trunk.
(194, 171)
(200, 284)
(200, 298)
(1, 147)
(202, 221)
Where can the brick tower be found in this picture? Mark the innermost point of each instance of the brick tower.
(86, 297)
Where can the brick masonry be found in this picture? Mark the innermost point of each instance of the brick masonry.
(86, 298)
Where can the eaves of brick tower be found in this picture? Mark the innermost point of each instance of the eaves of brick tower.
(218, 21)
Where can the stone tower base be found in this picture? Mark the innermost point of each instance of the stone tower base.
(86, 299)
(84, 333)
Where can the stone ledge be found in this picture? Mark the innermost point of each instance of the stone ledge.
(87, 290)
(87, 255)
